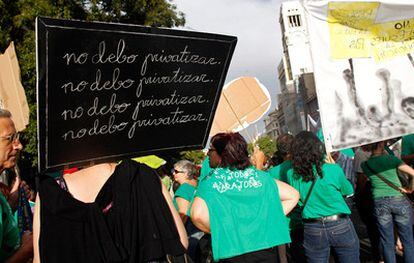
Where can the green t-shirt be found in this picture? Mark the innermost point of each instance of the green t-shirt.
(245, 211)
(387, 166)
(9, 232)
(407, 145)
(185, 191)
(279, 172)
(326, 197)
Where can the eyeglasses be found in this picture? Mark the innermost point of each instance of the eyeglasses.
(174, 171)
(12, 137)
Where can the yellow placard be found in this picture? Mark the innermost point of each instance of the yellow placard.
(349, 24)
(392, 39)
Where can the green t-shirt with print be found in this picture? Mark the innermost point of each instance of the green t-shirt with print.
(387, 166)
(9, 232)
(407, 145)
(327, 196)
(245, 211)
(185, 191)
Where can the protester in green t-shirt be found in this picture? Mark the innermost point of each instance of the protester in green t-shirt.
(184, 173)
(284, 144)
(295, 249)
(390, 206)
(243, 208)
(325, 213)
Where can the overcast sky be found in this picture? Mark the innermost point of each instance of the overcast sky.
(256, 25)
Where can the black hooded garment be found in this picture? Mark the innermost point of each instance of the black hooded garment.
(138, 227)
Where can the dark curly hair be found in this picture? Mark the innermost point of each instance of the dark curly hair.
(307, 151)
(232, 148)
(276, 159)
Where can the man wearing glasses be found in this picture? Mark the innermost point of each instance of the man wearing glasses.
(12, 249)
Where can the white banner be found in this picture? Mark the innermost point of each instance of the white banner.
(364, 69)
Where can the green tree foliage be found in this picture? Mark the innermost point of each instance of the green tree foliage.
(196, 157)
(266, 144)
(17, 23)
(158, 13)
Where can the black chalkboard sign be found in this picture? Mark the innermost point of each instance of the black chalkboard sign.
(107, 90)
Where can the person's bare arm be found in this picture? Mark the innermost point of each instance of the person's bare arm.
(178, 223)
(25, 251)
(36, 231)
(258, 158)
(405, 168)
(409, 171)
(408, 159)
(182, 208)
(288, 196)
(199, 215)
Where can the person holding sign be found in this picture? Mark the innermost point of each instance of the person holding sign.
(107, 213)
(243, 208)
(325, 214)
(391, 205)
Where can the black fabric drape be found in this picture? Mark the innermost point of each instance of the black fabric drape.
(139, 227)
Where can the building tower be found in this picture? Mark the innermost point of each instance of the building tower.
(297, 99)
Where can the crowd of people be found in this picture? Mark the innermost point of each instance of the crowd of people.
(234, 207)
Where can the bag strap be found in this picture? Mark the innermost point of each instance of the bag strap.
(388, 182)
(309, 193)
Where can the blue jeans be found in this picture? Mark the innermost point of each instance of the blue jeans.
(389, 210)
(339, 235)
